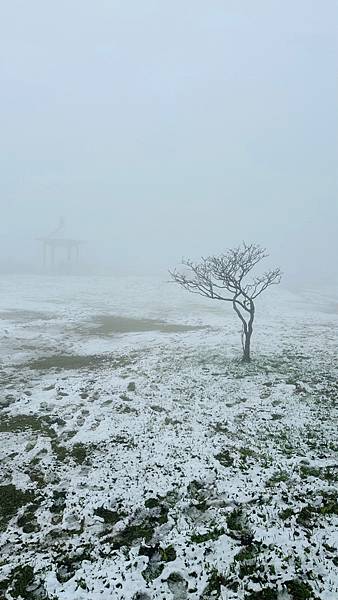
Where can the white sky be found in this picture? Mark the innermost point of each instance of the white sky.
(162, 129)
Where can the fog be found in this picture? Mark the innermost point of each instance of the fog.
(166, 129)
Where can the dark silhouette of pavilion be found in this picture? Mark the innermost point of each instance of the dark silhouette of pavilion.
(57, 240)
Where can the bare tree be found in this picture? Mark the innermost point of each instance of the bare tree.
(224, 278)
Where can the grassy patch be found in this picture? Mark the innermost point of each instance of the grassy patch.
(235, 520)
(28, 521)
(198, 494)
(17, 423)
(59, 501)
(310, 513)
(110, 517)
(69, 563)
(173, 422)
(177, 585)
(22, 578)
(246, 453)
(214, 586)
(131, 534)
(80, 452)
(200, 538)
(125, 409)
(152, 502)
(141, 527)
(247, 553)
(299, 590)
(11, 499)
(220, 427)
(264, 594)
(61, 452)
(238, 528)
(122, 440)
(278, 477)
(168, 554)
(105, 325)
(329, 474)
(225, 458)
(286, 514)
(152, 571)
(77, 362)
(157, 408)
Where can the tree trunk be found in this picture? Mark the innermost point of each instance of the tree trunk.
(247, 328)
(246, 347)
(248, 333)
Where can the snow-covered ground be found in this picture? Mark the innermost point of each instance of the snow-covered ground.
(140, 459)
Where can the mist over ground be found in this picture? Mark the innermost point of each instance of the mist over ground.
(155, 444)
(162, 130)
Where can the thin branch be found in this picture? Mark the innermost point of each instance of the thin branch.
(223, 277)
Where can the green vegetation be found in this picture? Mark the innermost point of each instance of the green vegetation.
(104, 325)
(247, 553)
(299, 590)
(278, 477)
(292, 449)
(200, 538)
(214, 587)
(80, 452)
(61, 452)
(28, 521)
(286, 514)
(139, 529)
(131, 534)
(59, 501)
(22, 578)
(329, 474)
(309, 513)
(168, 554)
(152, 571)
(19, 584)
(235, 520)
(110, 517)
(264, 594)
(225, 458)
(17, 423)
(75, 362)
(152, 502)
(69, 560)
(11, 499)
(220, 427)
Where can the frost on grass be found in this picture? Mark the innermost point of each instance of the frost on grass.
(166, 469)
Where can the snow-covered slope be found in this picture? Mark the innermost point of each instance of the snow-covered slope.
(140, 458)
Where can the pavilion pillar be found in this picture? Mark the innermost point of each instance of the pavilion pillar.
(69, 252)
(52, 255)
(44, 254)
